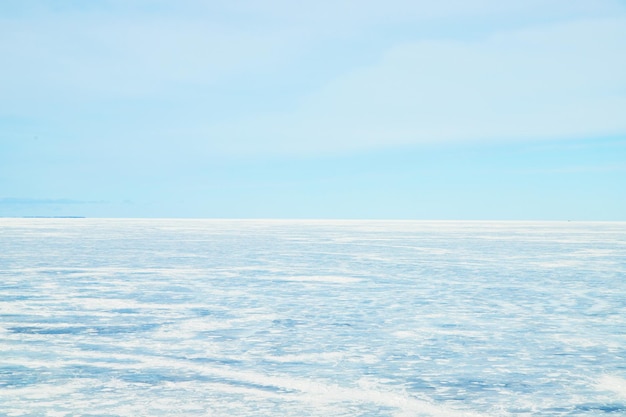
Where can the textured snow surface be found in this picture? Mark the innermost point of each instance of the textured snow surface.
(311, 318)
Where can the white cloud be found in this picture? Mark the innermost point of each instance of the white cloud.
(119, 58)
(117, 48)
(100, 70)
(357, 13)
(564, 80)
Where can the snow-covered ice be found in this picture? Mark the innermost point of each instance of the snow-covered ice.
(126, 317)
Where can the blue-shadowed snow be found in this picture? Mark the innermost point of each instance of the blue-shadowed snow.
(318, 318)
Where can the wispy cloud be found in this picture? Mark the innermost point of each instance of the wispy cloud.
(578, 169)
(548, 82)
(261, 77)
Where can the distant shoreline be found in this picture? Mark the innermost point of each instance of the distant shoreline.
(52, 217)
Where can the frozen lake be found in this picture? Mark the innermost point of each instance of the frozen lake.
(311, 318)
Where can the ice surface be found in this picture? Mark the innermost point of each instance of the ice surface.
(311, 318)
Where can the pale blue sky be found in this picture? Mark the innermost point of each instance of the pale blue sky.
(455, 109)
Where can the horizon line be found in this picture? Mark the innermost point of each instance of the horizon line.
(312, 219)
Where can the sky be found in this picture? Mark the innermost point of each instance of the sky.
(396, 109)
